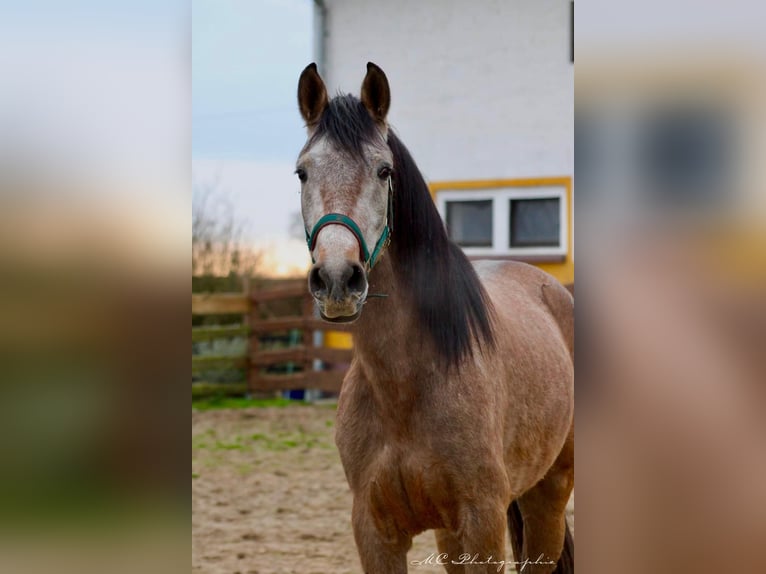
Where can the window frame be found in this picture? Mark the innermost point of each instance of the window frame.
(501, 193)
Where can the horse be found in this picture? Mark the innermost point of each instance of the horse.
(457, 412)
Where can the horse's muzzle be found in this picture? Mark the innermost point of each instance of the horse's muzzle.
(339, 290)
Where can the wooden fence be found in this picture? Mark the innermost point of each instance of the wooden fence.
(307, 362)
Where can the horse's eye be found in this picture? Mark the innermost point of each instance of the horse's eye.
(301, 173)
(384, 172)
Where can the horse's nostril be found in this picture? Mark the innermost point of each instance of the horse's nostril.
(357, 282)
(317, 283)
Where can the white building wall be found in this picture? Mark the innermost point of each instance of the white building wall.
(480, 89)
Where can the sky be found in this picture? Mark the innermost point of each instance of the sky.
(247, 56)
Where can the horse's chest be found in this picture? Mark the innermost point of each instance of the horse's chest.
(401, 478)
(404, 488)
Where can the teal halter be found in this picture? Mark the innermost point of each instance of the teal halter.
(369, 259)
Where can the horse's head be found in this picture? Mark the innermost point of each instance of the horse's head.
(345, 172)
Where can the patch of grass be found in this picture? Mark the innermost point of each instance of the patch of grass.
(270, 443)
(283, 442)
(200, 441)
(223, 402)
(214, 445)
(195, 475)
(229, 445)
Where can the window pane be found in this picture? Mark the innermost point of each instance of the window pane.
(535, 222)
(469, 223)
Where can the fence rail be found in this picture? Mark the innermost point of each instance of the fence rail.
(218, 332)
(300, 360)
(220, 304)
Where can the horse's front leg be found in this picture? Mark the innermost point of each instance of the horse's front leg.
(382, 547)
(482, 538)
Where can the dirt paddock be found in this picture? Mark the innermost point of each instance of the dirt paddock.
(269, 495)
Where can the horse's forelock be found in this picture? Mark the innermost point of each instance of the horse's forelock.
(348, 125)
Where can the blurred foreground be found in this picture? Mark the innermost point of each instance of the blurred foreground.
(94, 278)
(671, 285)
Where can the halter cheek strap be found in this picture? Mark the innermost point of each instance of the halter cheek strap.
(368, 258)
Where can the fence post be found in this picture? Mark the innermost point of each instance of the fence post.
(307, 310)
(253, 343)
(246, 324)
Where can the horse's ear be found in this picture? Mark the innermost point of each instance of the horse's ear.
(312, 95)
(376, 95)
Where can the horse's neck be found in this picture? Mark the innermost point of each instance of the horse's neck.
(386, 337)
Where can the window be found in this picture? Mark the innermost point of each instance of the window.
(470, 222)
(517, 220)
(534, 223)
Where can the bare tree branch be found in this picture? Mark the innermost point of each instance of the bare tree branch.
(217, 246)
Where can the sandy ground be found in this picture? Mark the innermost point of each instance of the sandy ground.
(269, 495)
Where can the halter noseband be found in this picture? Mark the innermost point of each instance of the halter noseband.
(369, 259)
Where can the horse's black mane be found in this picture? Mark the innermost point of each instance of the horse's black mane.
(451, 303)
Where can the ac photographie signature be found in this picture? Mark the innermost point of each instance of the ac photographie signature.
(475, 559)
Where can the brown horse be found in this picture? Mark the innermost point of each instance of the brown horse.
(457, 411)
